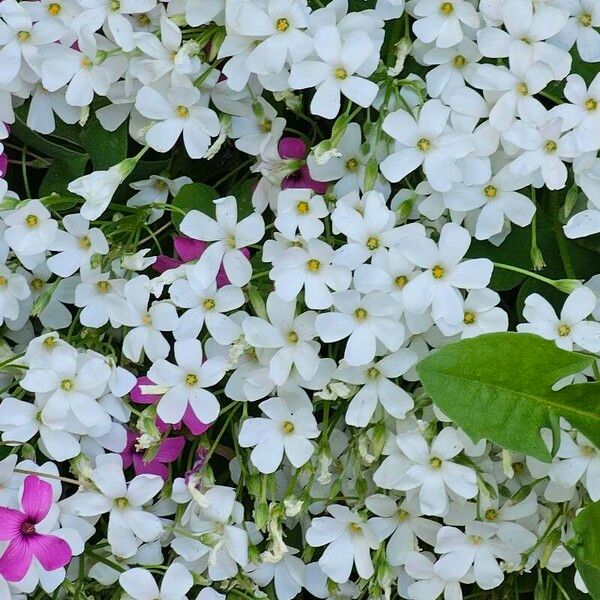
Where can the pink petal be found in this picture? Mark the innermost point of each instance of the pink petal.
(291, 147)
(170, 449)
(128, 453)
(16, 560)
(165, 263)
(193, 423)
(3, 164)
(154, 467)
(187, 248)
(301, 179)
(136, 393)
(52, 552)
(10, 523)
(36, 499)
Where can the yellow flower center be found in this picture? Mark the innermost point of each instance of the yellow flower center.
(3, 281)
(437, 271)
(282, 24)
(23, 36)
(160, 185)
(313, 265)
(372, 373)
(423, 144)
(208, 304)
(491, 514)
(302, 207)
(114, 5)
(475, 540)
(103, 286)
(49, 342)
(143, 20)
(435, 463)
(523, 89)
(564, 330)
(191, 379)
(490, 191)
(588, 451)
(460, 61)
(54, 9)
(230, 241)
(355, 528)
(585, 20)
(288, 427)
(31, 220)
(401, 281)
(66, 385)
(85, 243)
(292, 337)
(266, 125)
(86, 63)
(360, 314)
(182, 112)
(518, 467)
(37, 284)
(550, 146)
(469, 318)
(122, 503)
(340, 73)
(402, 515)
(591, 105)
(147, 319)
(446, 8)
(351, 165)
(372, 243)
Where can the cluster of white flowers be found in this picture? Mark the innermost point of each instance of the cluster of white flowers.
(248, 420)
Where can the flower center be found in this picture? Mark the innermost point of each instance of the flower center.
(31, 221)
(460, 61)
(401, 281)
(266, 125)
(282, 24)
(288, 427)
(437, 272)
(3, 281)
(191, 379)
(435, 463)
(23, 36)
(591, 105)
(564, 330)
(490, 191)
(469, 318)
(475, 540)
(355, 528)
(28, 528)
(160, 185)
(230, 241)
(313, 265)
(340, 73)
(66, 385)
(49, 342)
(103, 287)
(122, 502)
(523, 89)
(114, 5)
(292, 337)
(302, 207)
(372, 372)
(491, 514)
(54, 9)
(403, 515)
(360, 314)
(550, 146)
(86, 63)
(372, 243)
(424, 145)
(182, 111)
(143, 20)
(208, 304)
(586, 20)
(37, 284)
(588, 451)
(518, 467)
(446, 8)
(147, 319)
(85, 243)
(351, 165)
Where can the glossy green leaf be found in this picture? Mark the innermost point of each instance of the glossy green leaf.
(194, 196)
(585, 547)
(106, 148)
(499, 387)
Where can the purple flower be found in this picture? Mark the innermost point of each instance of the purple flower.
(3, 164)
(25, 542)
(295, 148)
(169, 450)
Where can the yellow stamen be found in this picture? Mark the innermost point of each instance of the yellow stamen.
(208, 304)
(437, 271)
(340, 73)
(288, 427)
(469, 318)
(54, 9)
(313, 265)
(424, 145)
(564, 330)
(360, 314)
(490, 191)
(550, 146)
(292, 337)
(103, 286)
(591, 105)
(372, 243)
(586, 20)
(31, 220)
(66, 385)
(282, 24)
(182, 112)
(23, 36)
(191, 379)
(302, 207)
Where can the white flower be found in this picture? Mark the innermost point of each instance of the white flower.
(290, 335)
(442, 21)
(300, 209)
(433, 473)
(424, 142)
(229, 238)
(140, 584)
(256, 128)
(364, 320)
(377, 387)
(31, 229)
(129, 523)
(310, 268)
(181, 111)
(184, 384)
(568, 329)
(156, 190)
(286, 429)
(429, 585)
(100, 297)
(287, 575)
(336, 72)
(349, 539)
(580, 29)
(445, 273)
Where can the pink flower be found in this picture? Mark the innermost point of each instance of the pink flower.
(3, 164)
(187, 250)
(19, 527)
(291, 147)
(169, 450)
(189, 418)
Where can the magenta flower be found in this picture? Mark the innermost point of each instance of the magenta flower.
(169, 451)
(25, 542)
(190, 420)
(187, 250)
(3, 164)
(291, 147)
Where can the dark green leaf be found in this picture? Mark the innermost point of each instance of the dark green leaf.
(61, 173)
(585, 547)
(194, 196)
(106, 148)
(499, 387)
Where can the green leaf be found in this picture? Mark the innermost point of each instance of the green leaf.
(61, 173)
(585, 547)
(194, 196)
(106, 148)
(499, 387)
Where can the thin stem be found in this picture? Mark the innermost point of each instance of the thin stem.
(525, 272)
(24, 171)
(48, 476)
